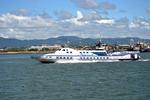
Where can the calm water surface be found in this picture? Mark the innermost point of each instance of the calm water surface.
(22, 78)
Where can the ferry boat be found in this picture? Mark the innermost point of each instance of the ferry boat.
(69, 55)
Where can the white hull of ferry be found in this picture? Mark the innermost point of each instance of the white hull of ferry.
(68, 55)
(89, 61)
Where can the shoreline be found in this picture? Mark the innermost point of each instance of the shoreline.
(24, 52)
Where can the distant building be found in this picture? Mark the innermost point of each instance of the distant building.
(2, 49)
(124, 47)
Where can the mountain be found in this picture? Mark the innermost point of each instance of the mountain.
(70, 40)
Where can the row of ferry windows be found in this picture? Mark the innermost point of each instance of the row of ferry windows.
(80, 52)
(83, 58)
(69, 52)
(84, 52)
(63, 57)
(94, 58)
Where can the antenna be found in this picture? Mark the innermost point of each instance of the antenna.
(99, 37)
(99, 42)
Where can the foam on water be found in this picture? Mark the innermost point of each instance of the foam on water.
(144, 60)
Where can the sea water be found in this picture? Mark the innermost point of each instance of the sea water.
(22, 78)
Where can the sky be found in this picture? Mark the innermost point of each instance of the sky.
(42, 19)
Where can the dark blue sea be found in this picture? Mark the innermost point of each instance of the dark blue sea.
(22, 78)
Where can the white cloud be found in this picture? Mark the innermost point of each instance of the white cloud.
(133, 25)
(106, 21)
(18, 26)
(10, 20)
(11, 30)
(3, 35)
(145, 23)
(76, 20)
(15, 17)
(79, 15)
(140, 22)
(82, 25)
(91, 16)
